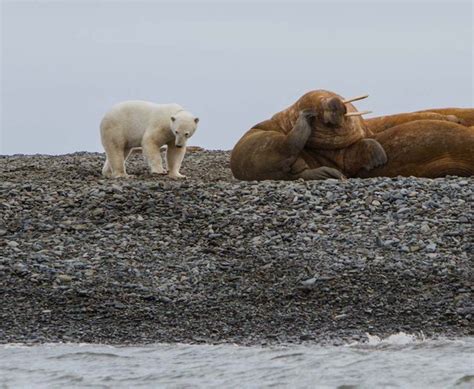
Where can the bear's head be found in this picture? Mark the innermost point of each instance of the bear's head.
(183, 126)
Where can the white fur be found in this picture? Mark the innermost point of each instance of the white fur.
(150, 126)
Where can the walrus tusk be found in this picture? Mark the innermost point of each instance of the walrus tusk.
(357, 113)
(355, 99)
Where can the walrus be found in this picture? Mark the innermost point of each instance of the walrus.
(382, 123)
(279, 148)
(464, 116)
(331, 134)
(425, 148)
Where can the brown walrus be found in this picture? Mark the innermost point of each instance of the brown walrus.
(281, 148)
(464, 115)
(426, 148)
(382, 123)
(321, 137)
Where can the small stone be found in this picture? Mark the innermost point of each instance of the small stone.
(431, 248)
(403, 210)
(98, 211)
(405, 248)
(425, 228)
(309, 284)
(20, 268)
(64, 278)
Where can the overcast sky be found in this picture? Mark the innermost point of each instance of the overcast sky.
(64, 63)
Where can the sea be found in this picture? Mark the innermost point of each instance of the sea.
(398, 361)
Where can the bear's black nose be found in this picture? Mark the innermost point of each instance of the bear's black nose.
(178, 146)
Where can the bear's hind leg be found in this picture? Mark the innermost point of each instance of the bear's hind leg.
(116, 161)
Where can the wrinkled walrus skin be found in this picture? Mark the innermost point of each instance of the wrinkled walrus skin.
(432, 143)
(281, 148)
(382, 123)
(426, 148)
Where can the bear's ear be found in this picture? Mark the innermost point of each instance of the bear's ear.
(196, 120)
(173, 118)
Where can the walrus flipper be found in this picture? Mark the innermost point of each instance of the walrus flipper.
(320, 173)
(298, 136)
(365, 154)
(296, 141)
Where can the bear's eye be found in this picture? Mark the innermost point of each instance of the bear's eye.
(187, 134)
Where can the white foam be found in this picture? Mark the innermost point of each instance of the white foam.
(400, 338)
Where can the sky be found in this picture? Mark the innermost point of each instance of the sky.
(233, 64)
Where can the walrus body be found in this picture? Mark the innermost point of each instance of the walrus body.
(317, 133)
(280, 148)
(465, 115)
(425, 148)
(382, 123)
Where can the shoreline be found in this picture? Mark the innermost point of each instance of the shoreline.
(400, 339)
(214, 260)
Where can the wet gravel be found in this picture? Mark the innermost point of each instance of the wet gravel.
(212, 259)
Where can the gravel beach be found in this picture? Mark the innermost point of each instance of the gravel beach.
(211, 259)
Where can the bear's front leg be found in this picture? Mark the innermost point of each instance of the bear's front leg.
(174, 156)
(152, 153)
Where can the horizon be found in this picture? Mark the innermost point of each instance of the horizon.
(233, 65)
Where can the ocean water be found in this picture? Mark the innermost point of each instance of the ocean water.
(399, 361)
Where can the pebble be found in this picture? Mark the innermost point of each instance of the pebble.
(431, 248)
(64, 278)
(425, 228)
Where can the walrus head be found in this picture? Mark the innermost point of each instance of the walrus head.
(338, 123)
(333, 111)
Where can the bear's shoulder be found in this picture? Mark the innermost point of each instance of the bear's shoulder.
(148, 105)
(165, 111)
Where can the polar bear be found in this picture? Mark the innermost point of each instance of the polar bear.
(133, 124)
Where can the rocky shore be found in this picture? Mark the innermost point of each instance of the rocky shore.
(212, 259)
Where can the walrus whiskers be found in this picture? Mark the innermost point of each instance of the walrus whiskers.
(355, 99)
(357, 113)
